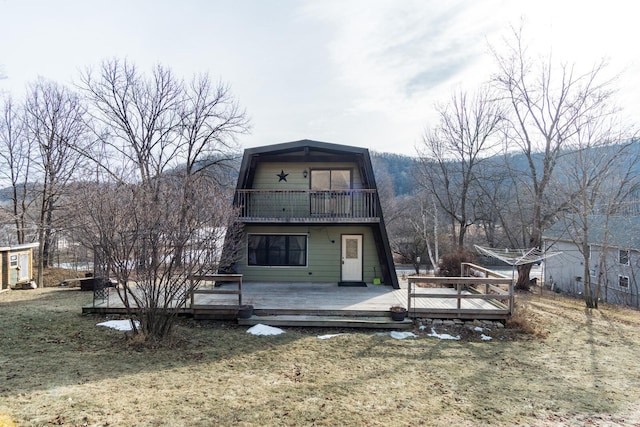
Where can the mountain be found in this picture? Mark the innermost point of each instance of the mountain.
(399, 168)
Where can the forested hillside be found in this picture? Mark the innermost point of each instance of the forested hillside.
(400, 168)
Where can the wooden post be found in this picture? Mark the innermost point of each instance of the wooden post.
(511, 297)
(192, 291)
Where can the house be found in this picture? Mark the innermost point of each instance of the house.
(613, 252)
(16, 264)
(311, 213)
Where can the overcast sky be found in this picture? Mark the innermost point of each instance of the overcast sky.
(364, 73)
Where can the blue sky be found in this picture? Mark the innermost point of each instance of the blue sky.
(366, 73)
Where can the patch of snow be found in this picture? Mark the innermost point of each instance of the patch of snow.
(442, 336)
(485, 337)
(261, 329)
(402, 335)
(329, 336)
(422, 327)
(478, 329)
(119, 325)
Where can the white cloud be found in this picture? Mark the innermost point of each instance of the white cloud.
(356, 72)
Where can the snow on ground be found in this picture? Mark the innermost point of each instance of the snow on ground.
(261, 329)
(119, 325)
(402, 335)
(328, 336)
(442, 336)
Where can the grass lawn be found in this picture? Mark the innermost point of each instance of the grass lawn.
(58, 368)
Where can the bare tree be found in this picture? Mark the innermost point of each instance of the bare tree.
(452, 151)
(154, 253)
(546, 105)
(595, 178)
(55, 125)
(139, 117)
(173, 136)
(428, 227)
(15, 156)
(490, 202)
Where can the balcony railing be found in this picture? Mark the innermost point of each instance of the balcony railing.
(308, 205)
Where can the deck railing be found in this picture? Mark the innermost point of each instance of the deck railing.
(303, 205)
(212, 279)
(480, 284)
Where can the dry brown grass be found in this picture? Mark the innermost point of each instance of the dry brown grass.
(55, 276)
(58, 368)
(526, 321)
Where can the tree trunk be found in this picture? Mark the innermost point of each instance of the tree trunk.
(590, 300)
(47, 248)
(524, 282)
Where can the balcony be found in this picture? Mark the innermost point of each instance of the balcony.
(304, 206)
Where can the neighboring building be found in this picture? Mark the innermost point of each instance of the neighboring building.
(311, 213)
(614, 258)
(16, 265)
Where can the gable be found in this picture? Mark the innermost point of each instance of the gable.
(293, 158)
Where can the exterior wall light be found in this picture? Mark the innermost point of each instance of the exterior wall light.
(305, 173)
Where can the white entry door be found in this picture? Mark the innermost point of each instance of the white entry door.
(25, 271)
(351, 257)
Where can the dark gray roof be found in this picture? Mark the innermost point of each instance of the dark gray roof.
(619, 231)
(293, 146)
(304, 147)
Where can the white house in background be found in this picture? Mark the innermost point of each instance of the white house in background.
(614, 257)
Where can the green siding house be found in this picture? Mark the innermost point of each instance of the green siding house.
(311, 213)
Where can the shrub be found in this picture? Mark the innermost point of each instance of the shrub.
(449, 264)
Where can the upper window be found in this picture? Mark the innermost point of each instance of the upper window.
(624, 257)
(330, 179)
(277, 250)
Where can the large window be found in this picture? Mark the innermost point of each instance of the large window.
(277, 250)
(330, 179)
(329, 196)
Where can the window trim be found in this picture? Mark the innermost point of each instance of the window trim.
(331, 170)
(620, 277)
(628, 256)
(306, 250)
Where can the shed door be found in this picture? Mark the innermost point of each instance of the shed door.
(25, 271)
(351, 257)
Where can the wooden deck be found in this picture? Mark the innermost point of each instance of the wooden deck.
(327, 304)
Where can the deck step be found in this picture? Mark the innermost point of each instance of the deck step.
(372, 322)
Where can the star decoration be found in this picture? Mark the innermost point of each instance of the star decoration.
(282, 176)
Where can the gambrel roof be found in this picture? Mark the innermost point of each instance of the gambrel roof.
(310, 151)
(305, 150)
